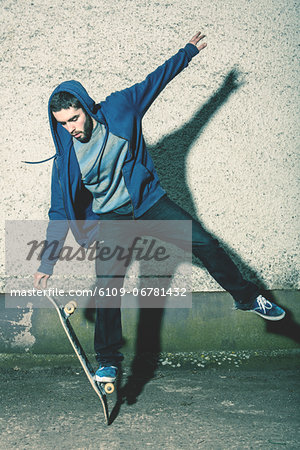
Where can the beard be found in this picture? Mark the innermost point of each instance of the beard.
(88, 129)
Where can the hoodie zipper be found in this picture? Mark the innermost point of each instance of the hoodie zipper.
(132, 208)
(62, 192)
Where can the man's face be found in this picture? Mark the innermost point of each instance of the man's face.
(79, 124)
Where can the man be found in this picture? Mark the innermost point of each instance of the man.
(102, 171)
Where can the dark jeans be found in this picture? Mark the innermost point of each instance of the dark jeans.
(108, 329)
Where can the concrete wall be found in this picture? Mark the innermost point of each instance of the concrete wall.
(210, 324)
(224, 143)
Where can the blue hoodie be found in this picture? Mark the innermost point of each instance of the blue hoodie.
(121, 113)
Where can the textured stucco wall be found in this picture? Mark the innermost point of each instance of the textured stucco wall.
(226, 148)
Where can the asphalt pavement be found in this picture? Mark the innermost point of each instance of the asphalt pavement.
(242, 403)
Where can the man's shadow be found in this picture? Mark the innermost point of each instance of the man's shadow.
(169, 157)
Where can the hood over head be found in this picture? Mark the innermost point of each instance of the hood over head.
(75, 88)
(61, 137)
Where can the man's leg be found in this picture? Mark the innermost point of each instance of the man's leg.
(214, 258)
(110, 273)
(108, 335)
(206, 248)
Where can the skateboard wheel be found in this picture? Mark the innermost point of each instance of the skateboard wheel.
(70, 307)
(109, 388)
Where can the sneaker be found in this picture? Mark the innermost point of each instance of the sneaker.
(265, 309)
(106, 374)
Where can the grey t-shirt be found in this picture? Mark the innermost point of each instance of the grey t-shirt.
(101, 171)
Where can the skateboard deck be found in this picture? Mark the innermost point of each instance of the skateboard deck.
(101, 389)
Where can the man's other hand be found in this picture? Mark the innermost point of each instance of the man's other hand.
(40, 280)
(197, 38)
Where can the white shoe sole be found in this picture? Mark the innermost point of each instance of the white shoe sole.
(273, 318)
(104, 379)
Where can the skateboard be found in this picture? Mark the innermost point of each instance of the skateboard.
(101, 389)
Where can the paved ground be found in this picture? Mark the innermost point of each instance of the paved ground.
(186, 407)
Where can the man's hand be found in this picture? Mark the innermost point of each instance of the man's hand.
(195, 39)
(40, 280)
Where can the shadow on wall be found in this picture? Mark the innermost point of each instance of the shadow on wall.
(170, 155)
(171, 152)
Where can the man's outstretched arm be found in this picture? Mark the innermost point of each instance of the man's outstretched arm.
(141, 95)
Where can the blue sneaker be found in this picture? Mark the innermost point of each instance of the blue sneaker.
(264, 308)
(106, 374)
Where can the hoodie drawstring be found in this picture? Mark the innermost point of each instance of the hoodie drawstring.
(39, 162)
